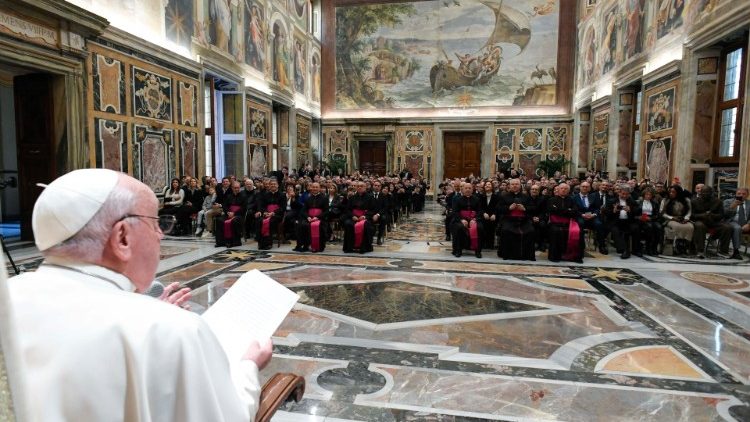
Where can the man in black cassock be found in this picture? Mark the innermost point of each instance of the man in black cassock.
(311, 226)
(229, 223)
(489, 215)
(516, 231)
(566, 239)
(467, 223)
(269, 213)
(380, 217)
(358, 228)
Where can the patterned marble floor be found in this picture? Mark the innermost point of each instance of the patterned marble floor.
(410, 333)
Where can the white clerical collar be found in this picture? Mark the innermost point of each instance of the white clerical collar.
(116, 279)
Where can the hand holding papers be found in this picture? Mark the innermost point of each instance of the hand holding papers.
(252, 309)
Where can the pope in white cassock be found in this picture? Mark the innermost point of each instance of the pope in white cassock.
(94, 350)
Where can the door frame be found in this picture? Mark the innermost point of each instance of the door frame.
(387, 138)
(486, 140)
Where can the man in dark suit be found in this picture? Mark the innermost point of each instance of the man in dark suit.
(590, 206)
(405, 174)
(737, 214)
(489, 215)
(623, 214)
(380, 218)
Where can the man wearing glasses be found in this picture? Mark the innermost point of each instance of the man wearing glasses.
(93, 349)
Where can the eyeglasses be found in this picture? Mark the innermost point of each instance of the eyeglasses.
(166, 222)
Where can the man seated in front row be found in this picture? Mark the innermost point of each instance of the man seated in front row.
(516, 231)
(466, 228)
(93, 347)
(311, 226)
(358, 218)
(269, 214)
(625, 229)
(229, 223)
(565, 237)
(737, 213)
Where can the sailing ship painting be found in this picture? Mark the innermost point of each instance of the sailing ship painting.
(447, 53)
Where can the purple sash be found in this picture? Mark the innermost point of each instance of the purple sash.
(315, 229)
(265, 229)
(573, 249)
(228, 222)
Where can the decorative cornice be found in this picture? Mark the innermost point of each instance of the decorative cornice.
(85, 21)
(667, 72)
(601, 102)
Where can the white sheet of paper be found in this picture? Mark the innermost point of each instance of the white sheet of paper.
(252, 309)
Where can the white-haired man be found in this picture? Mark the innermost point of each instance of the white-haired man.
(92, 348)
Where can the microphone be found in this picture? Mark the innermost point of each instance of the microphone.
(155, 290)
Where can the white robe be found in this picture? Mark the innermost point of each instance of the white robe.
(93, 350)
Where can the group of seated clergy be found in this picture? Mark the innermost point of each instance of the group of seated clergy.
(305, 210)
(543, 213)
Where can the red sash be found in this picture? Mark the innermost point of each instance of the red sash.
(572, 251)
(265, 229)
(315, 229)
(359, 227)
(473, 231)
(228, 221)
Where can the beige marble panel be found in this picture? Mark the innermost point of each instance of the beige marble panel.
(571, 283)
(194, 271)
(479, 267)
(658, 360)
(328, 259)
(262, 266)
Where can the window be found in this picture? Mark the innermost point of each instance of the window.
(730, 103)
(231, 157)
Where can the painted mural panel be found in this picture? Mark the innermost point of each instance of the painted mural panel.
(588, 57)
(152, 95)
(111, 144)
(446, 53)
(109, 84)
(255, 30)
(258, 160)
(303, 133)
(220, 27)
(660, 110)
(300, 64)
(634, 27)
(280, 52)
(658, 159)
(610, 48)
(531, 139)
(299, 10)
(178, 21)
(315, 76)
(669, 16)
(258, 121)
(529, 163)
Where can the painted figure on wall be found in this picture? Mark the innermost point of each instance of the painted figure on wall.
(300, 66)
(258, 161)
(589, 61)
(634, 33)
(660, 108)
(657, 163)
(315, 69)
(255, 44)
(258, 124)
(669, 16)
(220, 13)
(609, 48)
(280, 55)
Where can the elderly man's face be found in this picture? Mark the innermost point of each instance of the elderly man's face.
(273, 185)
(361, 187)
(467, 189)
(623, 194)
(515, 186)
(146, 236)
(376, 187)
(225, 182)
(742, 193)
(534, 190)
(585, 188)
(249, 185)
(563, 190)
(236, 187)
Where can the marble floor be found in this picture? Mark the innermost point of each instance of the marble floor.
(410, 333)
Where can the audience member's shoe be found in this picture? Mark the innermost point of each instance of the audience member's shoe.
(578, 261)
(220, 245)
(206, 234)
(297, 248)
(625, 255)
(457, 254)
(603, 250)
(639, 254)
(304, 249)
(724, 255)
(362, 251)
(236, 243)
(736, 255)
(199, 231)
(478, 254)
(380, 240)
(448, 237)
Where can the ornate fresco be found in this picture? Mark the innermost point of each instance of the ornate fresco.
(258, 137)
(440, 53)
(300, 65)
(256, 43)
(615, 32)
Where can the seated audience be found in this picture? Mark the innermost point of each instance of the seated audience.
(566, 240)
(737, 213)
(516, 230)
(311, 226)
(269, 214)
(229, 223)
(358, 221)
(649, 224)
(708, 213)
(466, 228)
(675, 211)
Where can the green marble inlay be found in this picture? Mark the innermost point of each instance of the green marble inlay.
(397, 301)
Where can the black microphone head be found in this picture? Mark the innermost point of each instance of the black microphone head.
(155, 290)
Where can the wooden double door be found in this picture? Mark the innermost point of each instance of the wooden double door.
(372, 157)
(463, 154)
